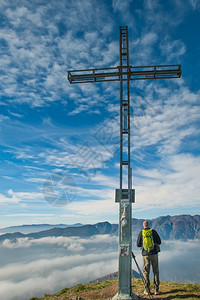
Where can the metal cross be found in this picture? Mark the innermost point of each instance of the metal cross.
(125, 195)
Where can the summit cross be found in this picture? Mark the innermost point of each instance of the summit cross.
(125, 195)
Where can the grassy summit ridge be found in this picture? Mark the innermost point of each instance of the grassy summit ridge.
(107, 289)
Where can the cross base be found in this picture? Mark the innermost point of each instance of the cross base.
(125, 297)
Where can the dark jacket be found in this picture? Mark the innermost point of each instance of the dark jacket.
(156, 240)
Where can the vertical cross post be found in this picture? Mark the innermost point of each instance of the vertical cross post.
(123, 195)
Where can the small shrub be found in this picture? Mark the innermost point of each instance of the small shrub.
(80, 287)
(63, 291)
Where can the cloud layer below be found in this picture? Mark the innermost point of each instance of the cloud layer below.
(33, 267)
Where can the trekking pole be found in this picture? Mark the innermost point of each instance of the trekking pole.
(142, 277)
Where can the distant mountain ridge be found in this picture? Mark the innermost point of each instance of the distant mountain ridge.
(178, 227)
(182, 227)
(34, 228)
(81, 231)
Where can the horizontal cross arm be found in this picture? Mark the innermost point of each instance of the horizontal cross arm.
(133, 73)
(94, 75)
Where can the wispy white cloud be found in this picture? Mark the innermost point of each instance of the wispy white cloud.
(162, 121)
(151, 4)
(173, 185)
(76, 244)
(3, 118)
(121, 6)
(37, 52)
(43, 215)
(125, 9)
(195, 4)
(146, 42)
(11, 199)
(155, 15)
(172, 49)
(181, 252)
(54, 263)
(25, 196)
(105, 208)
(76, 257)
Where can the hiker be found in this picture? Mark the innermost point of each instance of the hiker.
(149, 240)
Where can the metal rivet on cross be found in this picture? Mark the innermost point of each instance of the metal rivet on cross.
(125, 195)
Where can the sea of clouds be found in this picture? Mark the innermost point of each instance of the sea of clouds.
(33, 267)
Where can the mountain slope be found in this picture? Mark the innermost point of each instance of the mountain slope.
(107, 289)
(178, 227)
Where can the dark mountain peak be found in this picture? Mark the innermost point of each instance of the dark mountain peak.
(178, 227)
(11, 236)
(106, 227)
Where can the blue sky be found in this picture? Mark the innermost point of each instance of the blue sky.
(59, 143)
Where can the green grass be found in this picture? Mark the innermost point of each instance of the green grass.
(63, 291)
(107, 289)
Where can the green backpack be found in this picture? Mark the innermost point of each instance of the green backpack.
(148, 243)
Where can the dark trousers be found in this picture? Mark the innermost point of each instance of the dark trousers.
(147, 261)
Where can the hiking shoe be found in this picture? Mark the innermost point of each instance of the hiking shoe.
(157, 293)
(146, 292)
